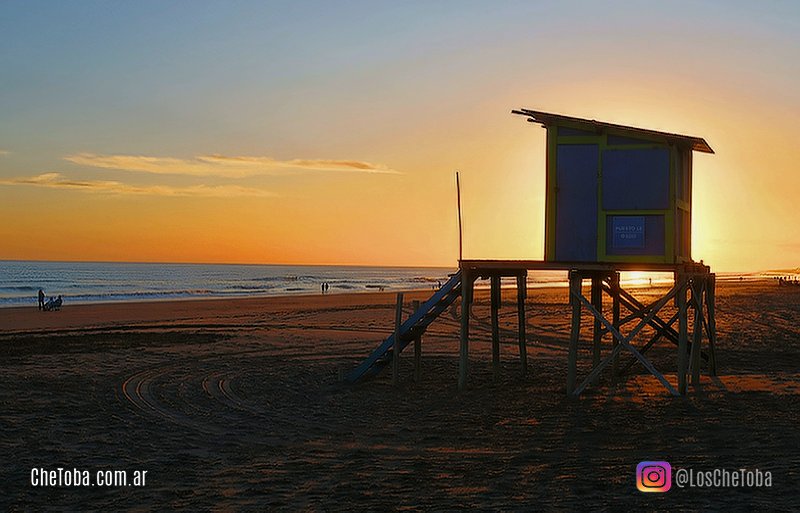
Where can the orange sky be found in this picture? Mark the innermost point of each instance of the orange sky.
(339, 145)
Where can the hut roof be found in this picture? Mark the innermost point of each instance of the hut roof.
(546, 118)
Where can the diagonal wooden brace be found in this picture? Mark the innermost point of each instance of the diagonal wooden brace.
(638, 310)
(625, 341)
(649, 344)
(658, 323)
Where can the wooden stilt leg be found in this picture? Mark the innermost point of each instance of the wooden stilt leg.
(495, 306)
(712, 323)
(683, 334)
(615, 311)
(417, 348)
(398, 320)
(466, 300)
(697, 329)
(572, 361)
(522, 292)
(597, 303)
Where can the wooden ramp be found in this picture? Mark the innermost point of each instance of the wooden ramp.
(409, 330)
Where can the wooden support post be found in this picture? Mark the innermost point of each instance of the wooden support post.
(683, 332)
(712, 323)
(615, 311)
(522, 293)
(496, 298)
(466, 300)
(698, 285)
(398, 320)
(572, 359)
(417, 347)
(597, 303)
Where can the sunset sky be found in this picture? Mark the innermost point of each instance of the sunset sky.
(329, 132)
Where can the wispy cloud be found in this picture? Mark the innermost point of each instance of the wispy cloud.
(58, 181)
(222, 165)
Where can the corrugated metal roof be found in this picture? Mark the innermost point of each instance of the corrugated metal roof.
(546, 118)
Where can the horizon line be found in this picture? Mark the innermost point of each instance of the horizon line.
(223, 263)
(276, 264)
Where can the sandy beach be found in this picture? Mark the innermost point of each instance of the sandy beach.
(236, 405)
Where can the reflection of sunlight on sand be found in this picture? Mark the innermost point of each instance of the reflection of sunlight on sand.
(644, 389)
(778, 383)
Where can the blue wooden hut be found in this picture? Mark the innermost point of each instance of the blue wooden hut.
(616, 193)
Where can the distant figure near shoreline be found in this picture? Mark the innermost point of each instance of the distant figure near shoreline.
(41, 299)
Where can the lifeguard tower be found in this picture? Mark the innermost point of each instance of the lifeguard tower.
(616, 193)
(618, 198)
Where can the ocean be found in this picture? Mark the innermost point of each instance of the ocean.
(95, 282)
(92, 282)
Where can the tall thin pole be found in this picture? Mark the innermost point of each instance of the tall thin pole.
(460, 239)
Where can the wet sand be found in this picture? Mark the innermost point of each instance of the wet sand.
(235, 405)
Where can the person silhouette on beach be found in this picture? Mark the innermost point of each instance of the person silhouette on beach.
(41, 299)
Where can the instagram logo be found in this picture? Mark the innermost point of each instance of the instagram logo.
(653, 476)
